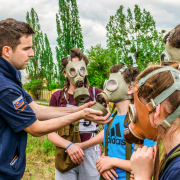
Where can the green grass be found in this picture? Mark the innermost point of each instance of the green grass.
(40, 159)
(44, 100)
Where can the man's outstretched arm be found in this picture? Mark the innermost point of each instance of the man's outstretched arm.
(49, 112)
(39, 128)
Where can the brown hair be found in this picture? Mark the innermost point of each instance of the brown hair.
(11, 31)
(174, 64)
(174, 38)
(156, 84)
(75, 52)
(129, 75)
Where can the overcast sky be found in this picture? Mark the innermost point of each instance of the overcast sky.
(94, 15)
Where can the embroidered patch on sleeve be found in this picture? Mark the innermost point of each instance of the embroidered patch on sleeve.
(18, 102)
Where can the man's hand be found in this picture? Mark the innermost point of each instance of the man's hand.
(76, 154)
(94, 116)
(86, 105)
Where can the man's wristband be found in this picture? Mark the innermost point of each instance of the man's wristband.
(69, 145)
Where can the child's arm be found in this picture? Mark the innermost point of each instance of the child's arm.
(75, 152)
(109, 174)
(93, 141)
(107, 163)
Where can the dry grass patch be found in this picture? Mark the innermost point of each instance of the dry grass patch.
(40, 159)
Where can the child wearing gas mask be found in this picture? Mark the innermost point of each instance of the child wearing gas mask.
(117, 89)
(172, 45)
(158, 96)
(76, 92)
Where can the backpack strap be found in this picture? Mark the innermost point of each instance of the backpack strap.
(126, 120)
(128, 156)
(128, 147)
(175, 154)
(94, 93)
(107, 133)
(65, 100)
(106, 140)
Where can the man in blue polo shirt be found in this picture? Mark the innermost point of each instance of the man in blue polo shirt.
(19, 114)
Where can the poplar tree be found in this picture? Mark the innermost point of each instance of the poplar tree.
(69, 31)
(133, 38)
(35, 66)
(41, 65)
(49, 67)
(99, 64)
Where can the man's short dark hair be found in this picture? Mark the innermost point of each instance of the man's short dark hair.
(11, 31)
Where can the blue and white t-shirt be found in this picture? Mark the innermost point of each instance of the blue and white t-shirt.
(117, 144)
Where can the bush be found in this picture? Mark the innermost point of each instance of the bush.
(53, 85)
(35, 86)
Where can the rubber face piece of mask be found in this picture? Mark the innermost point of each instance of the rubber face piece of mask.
(140, 127)
(116, 88)
(76, 72)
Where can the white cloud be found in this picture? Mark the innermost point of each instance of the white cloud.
(94, 15)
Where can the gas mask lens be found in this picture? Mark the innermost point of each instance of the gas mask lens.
(132, 113)
(165, 57)
(112, 85)
(72, 72)
(82, 71)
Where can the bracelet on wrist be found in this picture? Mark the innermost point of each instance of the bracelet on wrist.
(69, 145)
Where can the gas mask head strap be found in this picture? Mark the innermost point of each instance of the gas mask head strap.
(69, 58)
(166, 93)
(123, 69)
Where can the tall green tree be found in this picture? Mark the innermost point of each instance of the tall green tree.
(41, 65)
(99, 64)
(133, 37)
(49, 67)
(68, 29)
(35, 66)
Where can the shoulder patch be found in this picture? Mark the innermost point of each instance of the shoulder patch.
(18, 102)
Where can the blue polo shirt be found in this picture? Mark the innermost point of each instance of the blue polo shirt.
(172, 171)
(15, 115)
